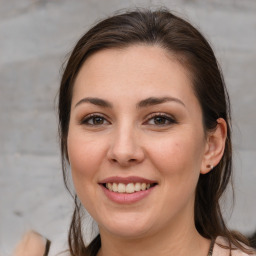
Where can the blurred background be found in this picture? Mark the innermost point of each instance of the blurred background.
(35, 37)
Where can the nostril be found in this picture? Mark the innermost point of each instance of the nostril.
(128, 161)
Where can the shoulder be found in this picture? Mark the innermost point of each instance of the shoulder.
(220, 251)
(32, 244)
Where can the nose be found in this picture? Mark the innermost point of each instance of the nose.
(125, 148)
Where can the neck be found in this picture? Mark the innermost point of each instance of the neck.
(179, 242)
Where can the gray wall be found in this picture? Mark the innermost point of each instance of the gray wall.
(35, 36)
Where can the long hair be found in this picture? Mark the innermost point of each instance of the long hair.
(177, 36)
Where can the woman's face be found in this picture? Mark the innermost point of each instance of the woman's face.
(136, 142)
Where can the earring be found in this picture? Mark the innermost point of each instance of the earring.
(209, 166)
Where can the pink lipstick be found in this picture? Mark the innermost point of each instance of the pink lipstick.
(127, 190)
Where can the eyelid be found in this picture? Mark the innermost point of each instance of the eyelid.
(84, 120)
(168, 117)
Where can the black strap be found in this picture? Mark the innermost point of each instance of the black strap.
(47, 247)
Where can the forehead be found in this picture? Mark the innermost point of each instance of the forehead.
(134, 71)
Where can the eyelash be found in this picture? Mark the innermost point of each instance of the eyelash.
(166, 117)
(92, 117)
(152, 116)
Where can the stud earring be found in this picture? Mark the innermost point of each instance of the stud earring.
(209, 166)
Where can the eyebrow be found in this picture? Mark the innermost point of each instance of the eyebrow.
(151, 101)
(95, 101)
(155, 101)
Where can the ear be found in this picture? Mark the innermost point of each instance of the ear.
(215, 146)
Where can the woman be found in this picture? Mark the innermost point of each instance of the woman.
(144, 124)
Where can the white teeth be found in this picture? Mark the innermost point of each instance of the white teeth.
(121, 188)
(143, 186)
(114, 187)
(109, 186)
(137, 187)
(128, 188)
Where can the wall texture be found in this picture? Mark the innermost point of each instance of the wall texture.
(35, 36)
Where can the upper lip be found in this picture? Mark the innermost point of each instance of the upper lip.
(126, 180)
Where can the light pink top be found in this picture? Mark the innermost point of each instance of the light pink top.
(219, 251)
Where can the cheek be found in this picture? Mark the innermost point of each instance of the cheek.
(84, 156)
(178, 157)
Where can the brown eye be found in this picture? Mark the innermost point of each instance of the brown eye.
(95, 120)
(160, 120)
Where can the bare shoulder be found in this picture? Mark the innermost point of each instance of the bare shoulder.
(32, 244)
(220, 251)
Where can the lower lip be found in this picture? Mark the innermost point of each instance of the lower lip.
(126, 198)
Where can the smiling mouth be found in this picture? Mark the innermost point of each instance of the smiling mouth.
(128, 188)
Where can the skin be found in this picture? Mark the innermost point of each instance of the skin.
(127, 140)
(32, 244)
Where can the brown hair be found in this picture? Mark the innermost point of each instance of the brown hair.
(177, 36)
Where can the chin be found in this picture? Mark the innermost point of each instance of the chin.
(127, 227)
(128, 232)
